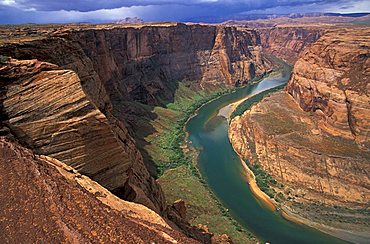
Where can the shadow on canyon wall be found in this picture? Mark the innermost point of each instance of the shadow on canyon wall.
(133, 87)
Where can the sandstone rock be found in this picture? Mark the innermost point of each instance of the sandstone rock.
(180, 208)
(42, 202)
(313, 138)
(318, 167)
(88, 128)
(46, 109)
(146, 63)
(288, 42)
(332, 80)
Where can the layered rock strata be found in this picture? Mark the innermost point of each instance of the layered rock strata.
(146, 63)
(44, 200)
(288, 42)
(45, 108)
(313, 137)
(331, 79)
(65, 93)
(287, 143)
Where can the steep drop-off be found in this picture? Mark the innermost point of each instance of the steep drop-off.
(313, 138)
(288, 42)
(45, 108)
(72, 93)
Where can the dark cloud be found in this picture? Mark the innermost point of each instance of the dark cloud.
(57, 11)
(91, 5)
(228, 5)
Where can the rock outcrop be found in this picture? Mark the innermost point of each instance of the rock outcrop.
(332, 80)
(287, 143)
(288, 42)
(44, 200)
(45, 108)
(313, 137)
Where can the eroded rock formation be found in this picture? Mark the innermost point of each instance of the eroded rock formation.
(44, 200)
(146, 63)
(332, 80)
(313, 137)
(45, 108)
(288, 42)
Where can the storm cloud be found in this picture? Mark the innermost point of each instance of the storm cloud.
(43, 11)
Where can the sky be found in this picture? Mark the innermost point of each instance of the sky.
(63, 11)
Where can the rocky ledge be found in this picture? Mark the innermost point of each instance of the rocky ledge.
(68, 93)
(44, 200)
(288, 42)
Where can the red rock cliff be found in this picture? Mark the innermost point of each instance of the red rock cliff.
(331, 79)
(313, 137)
(288, 42)
(45, 108)
(71, 107)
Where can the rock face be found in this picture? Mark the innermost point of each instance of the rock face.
(42, 199)
(313, 137)
(47, 110)
(66, 93)
(332, 80)
(288, 144)
(288, 42)
(146, 63)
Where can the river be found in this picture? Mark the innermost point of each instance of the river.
(221, 168)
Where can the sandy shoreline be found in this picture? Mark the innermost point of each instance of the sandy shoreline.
(270, 203)
(342, 234)
(288, 215)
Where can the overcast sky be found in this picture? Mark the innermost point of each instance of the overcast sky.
(61, 11)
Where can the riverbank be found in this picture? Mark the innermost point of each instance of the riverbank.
(227, 111)
(178, 175)
(286, 213)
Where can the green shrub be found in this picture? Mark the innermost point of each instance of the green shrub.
(4, 59)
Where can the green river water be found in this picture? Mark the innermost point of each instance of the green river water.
(221, 168)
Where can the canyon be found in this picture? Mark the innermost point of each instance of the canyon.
(86, 106)
(83, 95)
(312, 138)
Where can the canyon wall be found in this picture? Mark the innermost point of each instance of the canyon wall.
(46, 109)
(288, 42)
(331, 79)
(313, 137)
(64, 94)
(145, 64)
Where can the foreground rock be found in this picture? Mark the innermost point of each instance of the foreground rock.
(45, 108)
(313, 137)
(78, 107)
(44, 200)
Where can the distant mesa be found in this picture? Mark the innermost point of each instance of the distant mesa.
(129, 20)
